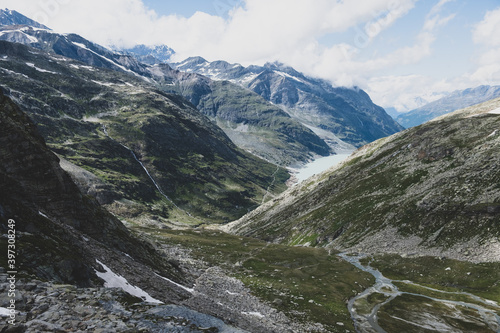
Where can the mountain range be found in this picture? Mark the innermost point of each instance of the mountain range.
(280, 136)
(338, 115)
(458, 99)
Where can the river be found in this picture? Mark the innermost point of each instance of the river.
(426, 318)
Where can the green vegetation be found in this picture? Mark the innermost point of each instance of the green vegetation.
(406, 313)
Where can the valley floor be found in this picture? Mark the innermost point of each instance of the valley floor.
(247, 285)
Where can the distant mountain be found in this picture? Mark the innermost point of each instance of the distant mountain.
(429, 190)
(12, 17)
(456, 100)
(248, 119)
(346, 114)
(393, 112)
(150, 55)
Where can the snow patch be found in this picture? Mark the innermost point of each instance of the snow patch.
(493, 134)
(255, 314)
(81, 45)
(496, 111)
(42, 214)
(14, 73)
(39, 69)
(289, 76)
(231, 293)
(106, 84)
(112, 280)
(4, 312)
(190, 290)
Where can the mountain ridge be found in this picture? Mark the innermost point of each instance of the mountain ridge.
(348, 114)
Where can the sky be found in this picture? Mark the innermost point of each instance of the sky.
(402, 52)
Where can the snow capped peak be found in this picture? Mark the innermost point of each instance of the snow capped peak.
(11, 17)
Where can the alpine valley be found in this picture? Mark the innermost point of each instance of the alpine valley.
(140, 195)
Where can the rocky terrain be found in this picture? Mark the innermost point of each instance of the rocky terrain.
(48, 307)
(430, 190)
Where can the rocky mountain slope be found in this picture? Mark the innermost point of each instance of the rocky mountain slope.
(456, 100)
(153, 155)
(12, 17)
(338, 115)
(432, 189)
(249, 120)
(60, 232)
(258, 127)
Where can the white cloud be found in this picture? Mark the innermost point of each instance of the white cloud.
(485, 34)
(261, 29)
(486, 31)
(406, 93)
(340, 65)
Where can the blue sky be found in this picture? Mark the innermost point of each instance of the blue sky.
(395, 50)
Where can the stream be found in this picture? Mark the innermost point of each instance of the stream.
(146, 170)
(368, 322)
